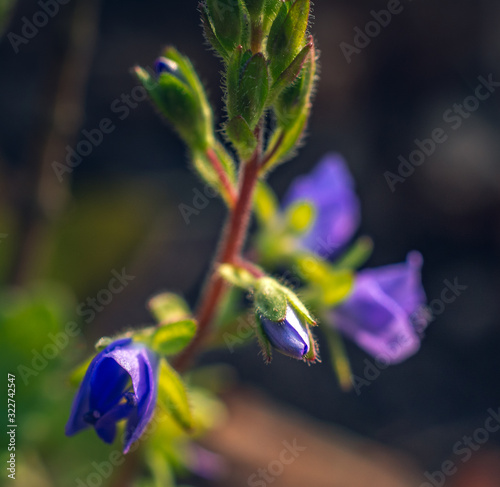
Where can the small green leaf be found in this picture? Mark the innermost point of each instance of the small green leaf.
(339, 358)
(206, 171)
(292, 110)
(271, 10)
(356, 255)
(168, 307)
(298, 305)
(270, 299)
(209, 32)
(233, 81)
(290, 74)
(253, 90)
(172, 393)
(266, 204)
(287, 35)
(333, 285)
(239, 133)
(254, 7)
(171, 338)
(237, 276)
(103, 342)
(300, 216)
(227, 20)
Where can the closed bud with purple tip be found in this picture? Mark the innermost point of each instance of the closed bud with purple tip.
(283, 322)
(120, 384)
(165, 65)
(289, 337)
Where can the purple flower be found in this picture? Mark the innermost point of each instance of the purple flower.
(120, 383)
(290, 336)
(378, 313)
(330, 188)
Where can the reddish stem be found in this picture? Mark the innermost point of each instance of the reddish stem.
(221, 173)
(232, 242)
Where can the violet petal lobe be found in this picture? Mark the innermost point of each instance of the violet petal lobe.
(330, 187)
(120, 383)
(378, 314)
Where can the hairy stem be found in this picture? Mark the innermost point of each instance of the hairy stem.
(221, 173)
(232, 241)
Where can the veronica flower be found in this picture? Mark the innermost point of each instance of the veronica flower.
(120, 383)
(330, 188)
(290, 336)
(378, 313)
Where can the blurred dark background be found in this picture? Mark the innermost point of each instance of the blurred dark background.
(119, 207)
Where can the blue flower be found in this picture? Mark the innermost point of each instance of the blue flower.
(378, 313)
(164, 65)
(330, 188)
(290, 336)
(120, 383)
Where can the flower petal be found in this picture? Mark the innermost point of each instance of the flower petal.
(81, 403)
(289, 336)
(330, 188)
(376, 322)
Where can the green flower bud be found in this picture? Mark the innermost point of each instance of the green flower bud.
(180, 96)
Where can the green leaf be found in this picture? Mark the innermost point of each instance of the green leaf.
(168, 307)
(287, 36)
(270, 299)
(356, 255)
(233, 81)
(292, 110)
(206, 171)
(243, 139)
(300, 216)
(298, 305)
(227, 20)
(210, 35)
(339, 359)
(237, 276)
(333, 285)
(171, 338)
(290, 74)
(271, 10)
(172, 393)
(254, 7)
(253, 90)
(266, 204)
